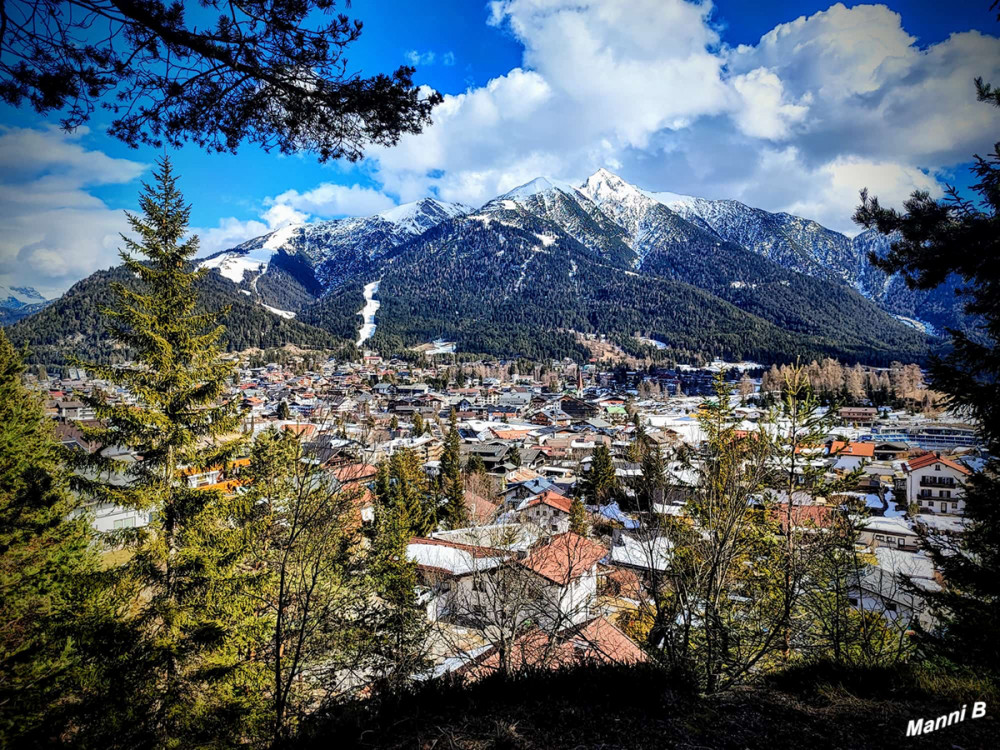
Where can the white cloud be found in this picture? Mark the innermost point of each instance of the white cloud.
(448, 58)
(325, 201)
(329, 200)
(55, 231)
(820, 107)
(413, 57)
(764, 113)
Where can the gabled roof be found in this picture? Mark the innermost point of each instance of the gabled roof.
(859, 450)
(552, 499)
(597, 639)
(929, 459)
(564, 557)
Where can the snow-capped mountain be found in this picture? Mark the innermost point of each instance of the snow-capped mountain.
(13, 297)
(17, 302)
(293, 265)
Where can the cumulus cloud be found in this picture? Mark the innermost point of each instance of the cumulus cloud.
(55, 231)
(819, 107)
(326, 201)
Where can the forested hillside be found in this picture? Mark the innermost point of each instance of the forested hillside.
(74, 325)
(508, 283)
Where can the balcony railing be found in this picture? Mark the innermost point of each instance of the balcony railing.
(937, 482)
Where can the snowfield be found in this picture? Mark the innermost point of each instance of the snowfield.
(368, 313)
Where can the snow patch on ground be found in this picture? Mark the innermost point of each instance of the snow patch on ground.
(368, 313)
(280, 237)
(287, 314)
(917, 324)
(234, 266)
(652, 342)
(547, 239)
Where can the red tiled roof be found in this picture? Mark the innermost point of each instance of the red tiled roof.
(594, 640)
(354, 472)
(564, 557)
(552, 499)
(929, 459)
(803, 516)
(479, 508)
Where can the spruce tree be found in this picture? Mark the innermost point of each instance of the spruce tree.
(475, 465)
(932, 241)
(399, 624)
(456, 516)
(283, 412)
(48, 569)
(600, 486)
(578, 518)
(402, 485)
(191, 594)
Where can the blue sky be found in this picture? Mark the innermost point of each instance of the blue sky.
(784, 105)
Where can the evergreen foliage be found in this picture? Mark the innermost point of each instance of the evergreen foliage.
(268, 73)
(50, 594)
(578, 523)
(936, 240)
(455, 514)
(600, 486)
(188, 593)
(402, 485)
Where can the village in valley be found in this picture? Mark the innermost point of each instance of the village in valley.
(563, 542)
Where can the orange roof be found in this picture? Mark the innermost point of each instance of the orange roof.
(509, 434)
(803, 516)
(552, 499)
(928, 459)
(227, 486)
(594, 640)
(861, 450)
(479, 508)
(300, 429)
(564, 557)
(355, 472)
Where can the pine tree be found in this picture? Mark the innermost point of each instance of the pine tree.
(400, 625)
(283, 412)
(514, 456)
(578, 518)
(600, 486)
(402, 485)
(456, 515)
(190, 596)
(932, 241)
(475, 464)
(48, 566)
(418, 424)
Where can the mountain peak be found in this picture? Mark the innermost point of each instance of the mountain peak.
(19, 296)
(536, 186)
(419, 216)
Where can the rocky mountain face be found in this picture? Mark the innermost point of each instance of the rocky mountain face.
(534, 268)
(292, 266)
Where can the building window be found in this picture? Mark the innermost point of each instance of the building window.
(937, 467)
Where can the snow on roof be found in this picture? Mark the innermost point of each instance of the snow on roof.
(448, 558)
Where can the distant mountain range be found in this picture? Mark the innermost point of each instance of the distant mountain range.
(533, 268)
(18, 302)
